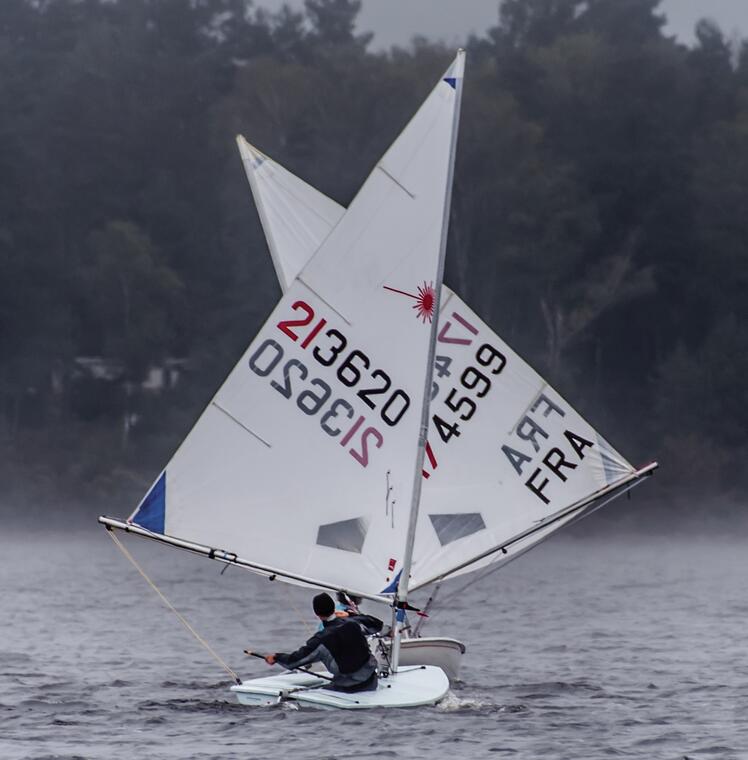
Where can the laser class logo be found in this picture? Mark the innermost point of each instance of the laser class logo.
(425, 300)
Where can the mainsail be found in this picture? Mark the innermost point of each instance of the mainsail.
(509, 461)
(302, 465)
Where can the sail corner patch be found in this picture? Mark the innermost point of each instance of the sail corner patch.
(451, 81)
(451, 527)
(347, 535)
(391, 588)
(152, 510)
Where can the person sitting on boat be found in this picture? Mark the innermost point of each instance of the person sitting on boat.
(341, 646)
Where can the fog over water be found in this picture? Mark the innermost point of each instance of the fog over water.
(585, 648)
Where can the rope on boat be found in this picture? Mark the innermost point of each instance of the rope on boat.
(179, 615)
(310, 631)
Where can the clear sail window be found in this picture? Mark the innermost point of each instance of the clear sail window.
(451, 527)
(347, 535)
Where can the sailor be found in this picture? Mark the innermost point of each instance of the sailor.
(341, 646)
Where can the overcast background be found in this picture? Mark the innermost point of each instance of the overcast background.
(598, 217)
(396, 22)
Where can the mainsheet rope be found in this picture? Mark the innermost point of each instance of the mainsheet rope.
(297, 612)
(179, 615)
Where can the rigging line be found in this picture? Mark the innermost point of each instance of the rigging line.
(296, 610)
(240, 424)
(179, 615)
(425, 610)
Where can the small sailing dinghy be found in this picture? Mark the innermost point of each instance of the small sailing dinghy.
(318, 434)
(506, 461)
(406, 690)
(479, 509)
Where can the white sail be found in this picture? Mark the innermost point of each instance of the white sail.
(304, 460)
(295, 217)
(522, 456)
(508, 454)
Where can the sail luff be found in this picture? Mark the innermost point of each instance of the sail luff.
(230, 558)
(577, 509)
(402, 590)
(267, 228)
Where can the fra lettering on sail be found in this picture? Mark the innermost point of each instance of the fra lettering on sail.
(559, 457)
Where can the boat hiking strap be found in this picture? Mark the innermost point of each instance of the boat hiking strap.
(179, 615)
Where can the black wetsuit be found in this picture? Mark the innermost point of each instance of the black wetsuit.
(342, 647)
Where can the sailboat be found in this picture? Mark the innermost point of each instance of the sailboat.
(514, 466)
(355, 407)
(292, 467)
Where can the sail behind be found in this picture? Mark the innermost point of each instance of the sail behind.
(304, 456)
(295, 217)
(508, 459)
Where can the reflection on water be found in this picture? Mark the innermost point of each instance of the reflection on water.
(583, 648)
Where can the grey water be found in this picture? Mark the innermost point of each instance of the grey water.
(586, 647)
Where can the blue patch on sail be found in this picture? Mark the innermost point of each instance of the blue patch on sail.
(152, 509)
(393, 586)
(451, 81)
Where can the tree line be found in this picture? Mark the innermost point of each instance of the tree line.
(598, 220)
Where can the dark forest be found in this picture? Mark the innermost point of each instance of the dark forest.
(598, 220)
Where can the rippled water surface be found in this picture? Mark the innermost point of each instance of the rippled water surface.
(584, 648)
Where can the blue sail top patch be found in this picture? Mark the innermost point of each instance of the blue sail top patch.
(451, 81)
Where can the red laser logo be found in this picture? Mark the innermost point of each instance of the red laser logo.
(425, 300)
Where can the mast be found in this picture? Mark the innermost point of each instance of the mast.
(401, 594)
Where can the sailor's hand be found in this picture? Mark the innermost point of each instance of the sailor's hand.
(341, 614)
(270, 659)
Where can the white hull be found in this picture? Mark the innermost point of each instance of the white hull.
(411, 687)
(438, 651)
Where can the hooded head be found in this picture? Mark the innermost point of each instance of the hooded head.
(323, 605)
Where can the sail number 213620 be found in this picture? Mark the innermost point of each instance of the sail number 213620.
(328, 347)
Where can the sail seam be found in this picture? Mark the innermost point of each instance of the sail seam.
(321, 298)
(529, 406)
(399, 184)
(240, 424)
